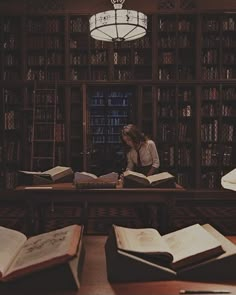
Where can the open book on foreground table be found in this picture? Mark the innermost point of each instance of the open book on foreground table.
(89, 180)
(161, 180)
(177, 249)
(197, 252)
(20, 257)
(55, 174)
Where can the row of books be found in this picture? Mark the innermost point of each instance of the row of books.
(183, 41)
(51, 75)
(209, 132)
(53, 25)
(11, 120)
(48, 132)
(51, 59)
(12, 74)
(183, 156)
(213, 93)
(11, 180)
(211, 155)
(38, 42)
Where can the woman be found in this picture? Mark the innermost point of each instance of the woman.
(142, 155)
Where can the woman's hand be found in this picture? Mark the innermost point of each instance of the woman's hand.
(151, 171)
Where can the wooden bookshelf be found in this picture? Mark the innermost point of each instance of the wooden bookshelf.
(179, 81)
(11, 136)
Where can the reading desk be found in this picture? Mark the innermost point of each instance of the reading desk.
(37, 197)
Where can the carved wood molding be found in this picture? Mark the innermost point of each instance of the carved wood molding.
(176, 4)
(44, 5)
(167, 4)
(187, 4)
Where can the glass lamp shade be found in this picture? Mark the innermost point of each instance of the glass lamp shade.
(118, 25)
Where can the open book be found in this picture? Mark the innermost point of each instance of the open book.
(228, 181)
(176, 250)
(135, 179)
(89, 180)
(20, 256)
(55, 174)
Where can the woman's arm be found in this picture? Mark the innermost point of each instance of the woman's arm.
(155, 158)
(151, 171)
(130, 163)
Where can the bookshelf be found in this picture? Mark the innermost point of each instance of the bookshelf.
(217, 133)
(109, 109)
(76, 129)
(45, 50)
(11, 51)
(176, 47)
(175, 126)
(44, 123)
(177, 84)
(228, 26)
(11, 139)
(133, 60)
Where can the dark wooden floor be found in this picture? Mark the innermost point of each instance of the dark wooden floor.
(222, 217)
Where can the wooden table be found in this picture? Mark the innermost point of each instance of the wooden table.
(94, 279)
(67, 193)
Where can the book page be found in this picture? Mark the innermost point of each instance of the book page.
(228, 181)
(110, 177)
(135, 176)
(47, 246)
(230, 177)
(31, 172)
(142, 240)
(129, 172)
(159, 176)
(84, 176)
(189, 243)
(11, 242)
(57, 170)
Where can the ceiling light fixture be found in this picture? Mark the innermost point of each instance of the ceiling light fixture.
(118, 24)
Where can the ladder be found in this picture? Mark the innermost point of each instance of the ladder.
(43, 132)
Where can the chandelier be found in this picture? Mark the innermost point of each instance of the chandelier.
(118, 24)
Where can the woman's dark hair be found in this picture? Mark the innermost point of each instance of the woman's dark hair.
(134, 133)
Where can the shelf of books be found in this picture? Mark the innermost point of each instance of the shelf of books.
(89, 58)
(45, 121)
(45, 48)
(10, 136)
(2, 130)
(76, 129)
(110, 108)
(11, 52)
(78, 46)
(217, 133)
(176, 83)
(145, 111)
(176, 47)
(210, 52)
(134, 60)
(228, 46)
(175, 126)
